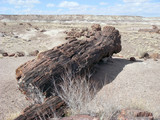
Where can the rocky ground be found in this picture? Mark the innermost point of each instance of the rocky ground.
(132, 84)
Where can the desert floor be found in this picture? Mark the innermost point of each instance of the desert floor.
(129, 84)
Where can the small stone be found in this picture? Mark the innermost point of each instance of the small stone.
(12, 55)
(19, 54)
(133, 59)
(5, 54)
(15, 36)
(144, 55)
(43, 30)
(36, 28)
(28, 40)
(20, 23)
(29, 24)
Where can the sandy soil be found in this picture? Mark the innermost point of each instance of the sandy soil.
(127, 84)
(11, 99)
(29, 38)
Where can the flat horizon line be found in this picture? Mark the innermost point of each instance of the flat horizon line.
(77, 15)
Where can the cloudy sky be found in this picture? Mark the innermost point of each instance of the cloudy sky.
(148, 8)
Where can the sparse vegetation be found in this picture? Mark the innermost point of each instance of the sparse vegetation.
(141, 52)
(77, 92)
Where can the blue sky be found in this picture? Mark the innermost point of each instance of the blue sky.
(147, 8)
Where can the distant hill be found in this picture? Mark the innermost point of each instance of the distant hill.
(82, 18)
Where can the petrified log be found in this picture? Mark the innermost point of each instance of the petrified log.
(153, 30)
(36, 78)
(53, 105)
(77, 55)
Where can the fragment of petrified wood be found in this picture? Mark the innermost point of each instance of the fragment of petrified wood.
(133, 114)
(153, 30)
(53, 105)
(37, 75)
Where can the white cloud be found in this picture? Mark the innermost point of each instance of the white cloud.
(21, 6)
(135, 1)
(23, 2)
(67, 4)
(103, 3)
(127, 7)
(81, 9)
(50, 5)
(3, 10)
(134, 9)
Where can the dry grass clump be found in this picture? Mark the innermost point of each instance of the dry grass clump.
(77, 92)
(141, 52)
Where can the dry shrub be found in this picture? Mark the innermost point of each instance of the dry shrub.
(77, 92)
(141, 52)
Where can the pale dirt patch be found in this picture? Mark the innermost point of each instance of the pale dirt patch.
(55, 37)
(12, 101)
(28, 35)
(28, 41)
(132, 85)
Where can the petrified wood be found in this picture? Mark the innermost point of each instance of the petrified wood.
(38, 74)
(153, 30)
(37, 78)
(53, 105)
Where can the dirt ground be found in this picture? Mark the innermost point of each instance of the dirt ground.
(132, 85)
(129, 84)
(11, 99)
